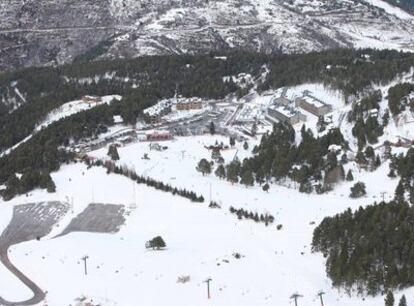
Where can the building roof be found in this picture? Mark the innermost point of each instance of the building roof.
(313, 101)
(157, 108)
(288, 112)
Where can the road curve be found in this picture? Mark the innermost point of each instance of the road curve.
(38, 294)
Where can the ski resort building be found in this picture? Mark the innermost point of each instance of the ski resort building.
(282, 100)
(285, 114)
(313, 105)
(189, 104)
(154, 113)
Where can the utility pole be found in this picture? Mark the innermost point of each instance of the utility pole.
(84, 258)
(295, 297)
(208, 280)
(383, 196)
(320, 294)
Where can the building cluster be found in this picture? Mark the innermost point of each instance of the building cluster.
(154, 113)
(286, 110)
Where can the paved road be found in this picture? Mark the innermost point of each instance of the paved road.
(29, 221)
(38, 294)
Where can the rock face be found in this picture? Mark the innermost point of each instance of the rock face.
(45, 32)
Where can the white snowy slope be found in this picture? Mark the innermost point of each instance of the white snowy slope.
(201, 241)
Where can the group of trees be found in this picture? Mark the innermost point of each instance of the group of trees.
(389, 300)
(28, 181)
(242, 213)
(278, 157)
(364, 113)
(143, 81)
(397, 97)
(404, 167)
(370, 249)
(111, 167)
(358, 190)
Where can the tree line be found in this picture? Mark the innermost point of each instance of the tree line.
(370, 249)
(112, 167)
(143, 81)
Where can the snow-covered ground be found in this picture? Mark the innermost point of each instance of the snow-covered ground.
(200, 240)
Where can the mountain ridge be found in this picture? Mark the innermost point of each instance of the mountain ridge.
(57, 32)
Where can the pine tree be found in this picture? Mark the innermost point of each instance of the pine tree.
(215, 154)
(232, 172)
(266, 187)
(392, 174)
(377, 162)
(212, 128)
(113, 152)
(403, 301)
(156, 243)
(245, 145)
(51, 187)
(399, 192)
(220, 172)
(349, 176)
(389, 299)
(232, 141)
(247, 178)
(358, 190)
(204, 166)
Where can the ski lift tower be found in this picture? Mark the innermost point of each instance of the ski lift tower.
(295, 297)
(320, 294)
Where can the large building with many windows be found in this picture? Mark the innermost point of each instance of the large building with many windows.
(282, 113)
(313, 105)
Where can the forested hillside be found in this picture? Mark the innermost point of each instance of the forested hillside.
(143, 81)
(371, 249)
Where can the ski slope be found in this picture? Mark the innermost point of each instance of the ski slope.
(200, 241)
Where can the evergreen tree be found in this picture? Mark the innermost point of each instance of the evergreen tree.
(389, 299)
(349, 176)
(204, 166)
(247, 178)
(220, 172)
(266, 187)
(358, 190)
(156, 243)
(392, 174)
(232, 141)
(212, 128)
(51, 187)
(113, 152)
(245, 145)
(377, 162)
(215, 154)
(232, 172)
(403, 301)
(399, 192)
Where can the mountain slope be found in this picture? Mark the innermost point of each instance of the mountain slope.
(37, 33)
